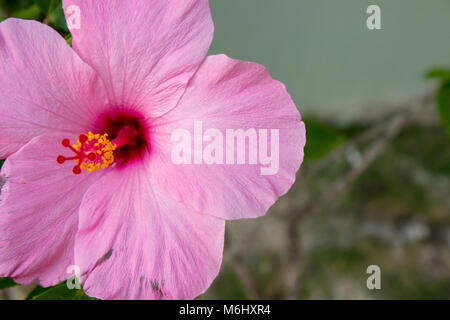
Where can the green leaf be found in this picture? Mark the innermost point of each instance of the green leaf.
(1, 163)
(48, 6)
(320, 140)
(58, 20)
(61, 292)
(17, 5)
(68, 39)
(31, 12)
(7, 283)
(443, 104)
(439, 73)
(36, 291)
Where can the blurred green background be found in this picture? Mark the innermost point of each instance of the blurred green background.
(374, 187)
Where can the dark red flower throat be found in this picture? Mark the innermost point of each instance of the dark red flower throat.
(126, 130)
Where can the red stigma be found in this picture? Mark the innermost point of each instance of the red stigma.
(76, 170)
(83, 138)
(61, 159)
(66, 142)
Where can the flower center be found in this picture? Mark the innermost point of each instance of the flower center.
(123, 140)
(128, 130)
(91, 153)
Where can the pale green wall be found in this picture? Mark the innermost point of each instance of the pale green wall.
(326, 56)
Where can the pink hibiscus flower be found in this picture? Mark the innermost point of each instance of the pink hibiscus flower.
(88, 133)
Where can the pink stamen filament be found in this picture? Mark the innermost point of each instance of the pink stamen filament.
(124, 137)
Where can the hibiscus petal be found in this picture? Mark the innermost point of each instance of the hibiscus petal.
(39, 213)
(230, 94)
(44, 86)
(145, 51)
(135, 243)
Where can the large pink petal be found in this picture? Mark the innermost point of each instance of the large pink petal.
(39, 213)
(44, 86)
(230, 94)
(145, 51)
(135, 243)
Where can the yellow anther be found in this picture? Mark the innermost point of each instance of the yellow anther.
(101, 147)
